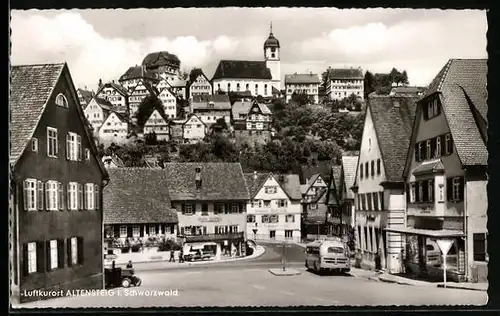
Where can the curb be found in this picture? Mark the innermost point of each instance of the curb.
(280, 272)
(256, 254)
(460, 288)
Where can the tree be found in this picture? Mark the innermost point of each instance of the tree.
(146, 108)
(301, 99)
(404, 77)
(324, 79)
(181, 108)
(151, 139)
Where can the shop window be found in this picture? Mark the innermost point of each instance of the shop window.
(479, 247)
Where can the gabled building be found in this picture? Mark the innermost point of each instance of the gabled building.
(193, 129)
(114, 129)
(164, 64)
(137, 94)
(302, 84)
(379, 186)
(158, 124)
(56, 181)
(407, 91)
(169, 102)
(312, 186)
(274, 210)
(96, 112)
(210, 199)
(114, 93)
(135, 74)
(84, 96)
(342, 83)
(258, 77)
(198, 84)
(347, 177)
(137, 211)
(314, 207)
(446, 172)
(178, 87)
(112, 161)
(251, 122)
(210, 108)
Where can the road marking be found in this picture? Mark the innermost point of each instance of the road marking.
(259, 287)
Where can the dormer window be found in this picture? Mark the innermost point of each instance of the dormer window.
(61, 100)
(432, 109)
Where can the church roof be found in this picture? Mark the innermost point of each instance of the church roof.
(242, 69)
(271, 41)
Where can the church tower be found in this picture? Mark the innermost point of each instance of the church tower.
(272, 58)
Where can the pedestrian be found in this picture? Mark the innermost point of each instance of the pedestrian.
(402, 261)
(129, 264)
(181, 255)
(172, 253)
(378, 259)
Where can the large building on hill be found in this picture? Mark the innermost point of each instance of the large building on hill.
(164, 64)
(302, 84)
(135, 74)
(259, 77)
(343, 82)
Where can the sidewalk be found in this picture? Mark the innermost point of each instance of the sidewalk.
(390, 278)
(165, 264)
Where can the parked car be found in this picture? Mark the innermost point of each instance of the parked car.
(197, 255)
(115, 277)
(435, 257)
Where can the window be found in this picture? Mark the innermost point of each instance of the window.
(74, 250)
(438, 147)
(429, 150)
(366, 169)
(123, 231)
(32, 262)
(52, 145)
(73, 146)
(313, 206)
(250, 218)
(30, 195)
(419, 152)
(256, 89)
(378, 166)
(430, 188)
(53, 254)
(375, 201)
(282, 203)
(61, 100)
(372, 166)
(188, 209)
(272, 234)
(265, 89)
(237, 87)
(87, 154)
(72, 196)
(274, 219)
(270, 190)
(290, 218)
(265, 219)
(204, 209)
(51, 195)
(479, 246)
(420, 192)
(448, 144)
(412, 192)
(456, 189)
(361, 172)
(288, 233)
(89, 196)
(34, 144)
(234, 208)
(136, 231)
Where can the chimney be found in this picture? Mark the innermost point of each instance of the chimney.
(255, 175)
(197, 177)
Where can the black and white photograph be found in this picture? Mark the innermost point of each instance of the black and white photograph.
(248, 157)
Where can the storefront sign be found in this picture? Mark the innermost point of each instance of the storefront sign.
(209, 219)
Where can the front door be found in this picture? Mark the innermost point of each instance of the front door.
(272, 234)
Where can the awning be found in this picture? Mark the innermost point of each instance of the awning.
(443, 233)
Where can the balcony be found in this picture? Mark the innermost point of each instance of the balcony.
(214, 237)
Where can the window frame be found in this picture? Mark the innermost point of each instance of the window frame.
(72, 196)
(428, 152)
(32, 257)
(52, 140)
(123, 231)
(62, 97)
(31, 193)
(54, 262)
(34, 144)
(456, 186)
(288, 216)
(190, 207)
(74, 250)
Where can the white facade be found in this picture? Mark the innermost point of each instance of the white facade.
(313, 188)
(272, 57)
(137, 95)
(273, 214)
(257, 87)
(339, 89)
(311, 89)
(200, 86)
(112, 95)
(169, 102)
(113, 130)
(157, 124)
(94, 114)
(194, 129)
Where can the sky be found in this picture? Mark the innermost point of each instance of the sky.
(102, 44)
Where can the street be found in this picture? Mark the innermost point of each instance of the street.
(249, 283)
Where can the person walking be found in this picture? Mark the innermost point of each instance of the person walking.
(181, 255)
(402, 261)
(172, 258)
(378, 261)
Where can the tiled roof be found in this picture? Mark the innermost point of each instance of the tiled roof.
(290, 184)
(321, 167)
(220, 102)
(345, 73)
(136, 72)
(163, 116)
(243, 107)
(302, 78)
(118, 87)
(349, 165)
(137, 195)
(103, 103)
(157, 59)
(319, 195)
(459, 80)
(393, 122)
(31, 87)
(178, 83)
(255, 181)
(271, 41)
(242, 69)
(337, 173)
(429, 167)
(194, 74)
(86, 95)
(220, 181)
(407, 90)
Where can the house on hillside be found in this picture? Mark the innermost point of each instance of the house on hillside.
(133, 230)
(84, 97)
(210, 199)
(274, 209)
(115, 129)
(169, 101)
(178, 87)
(193, 129)
(138, 93)
(302, 84)
(114, 93)
(343, 82)
(158, 124)
(164, 64)
(210, 108)
(198, 84)
(135, 75)
(379, 186)
(251, 122)
(445, 174)
(56, 181)
(96, 112)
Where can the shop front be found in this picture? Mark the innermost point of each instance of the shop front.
(220, 246)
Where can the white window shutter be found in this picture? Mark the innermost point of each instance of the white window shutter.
(68, 146)
(96, 198)
(68, 196)
(79, 146)
(60, 195)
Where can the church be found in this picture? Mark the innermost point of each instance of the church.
(258, 77)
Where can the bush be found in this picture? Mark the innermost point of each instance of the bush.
(168, 245)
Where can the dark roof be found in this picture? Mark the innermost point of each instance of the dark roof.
(393, 122)
(136, 72)
(194, 74)
(319, 195)
(321, 167)
(103, 103)
(137, 195)
(157, 59)
(31, 87)
(220, 181)
(162, 115)
(349, 165)
(86, 95)
(407, 90)
(271, 41)
(220, 102)
(118, 87)
(290, 183)
(242, 69)
(255, 181)
(243, 107)
(462, 87)
(345, 73)
(302, 78)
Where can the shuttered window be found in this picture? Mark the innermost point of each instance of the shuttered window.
(30, 195)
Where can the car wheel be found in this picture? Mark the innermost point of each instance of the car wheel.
(126, 282)
(316, 267)
(138, 282)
